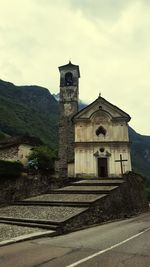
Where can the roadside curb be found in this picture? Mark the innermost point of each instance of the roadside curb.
(27, 237)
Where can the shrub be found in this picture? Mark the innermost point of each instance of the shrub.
(10, 169)
(42, 159)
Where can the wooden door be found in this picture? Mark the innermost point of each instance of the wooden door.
(102, 167)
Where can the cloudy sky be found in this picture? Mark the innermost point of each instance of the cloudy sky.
(108, 39)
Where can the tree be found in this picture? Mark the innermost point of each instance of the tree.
(42, 159)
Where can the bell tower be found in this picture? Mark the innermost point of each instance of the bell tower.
(68, 107)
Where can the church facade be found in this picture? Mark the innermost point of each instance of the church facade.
(93, 142)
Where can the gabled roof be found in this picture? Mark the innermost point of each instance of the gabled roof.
(18, 140)
(102, 104)
(70, 66)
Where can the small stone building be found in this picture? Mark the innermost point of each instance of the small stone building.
(93, 142)
(18, 148)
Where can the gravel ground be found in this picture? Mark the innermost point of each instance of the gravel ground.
(66, 197)
(41, 213)
(10, 231)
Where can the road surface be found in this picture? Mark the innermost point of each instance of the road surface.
(115, 244)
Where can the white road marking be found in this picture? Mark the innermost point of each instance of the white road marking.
(107, 249)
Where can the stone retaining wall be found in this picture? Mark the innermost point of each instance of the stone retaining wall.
(125, 201)
(26, 186)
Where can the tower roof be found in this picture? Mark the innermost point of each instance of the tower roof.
(70, 66)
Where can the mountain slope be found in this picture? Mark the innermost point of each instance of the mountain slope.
(28, 110)
(140, 152)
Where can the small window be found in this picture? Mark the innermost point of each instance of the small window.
(101, 130)
(69, 79)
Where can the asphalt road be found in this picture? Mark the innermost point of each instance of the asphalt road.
(116, 244)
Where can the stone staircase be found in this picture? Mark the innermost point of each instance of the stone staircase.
(82, 203)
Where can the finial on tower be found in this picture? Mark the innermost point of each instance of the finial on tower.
(99, 94)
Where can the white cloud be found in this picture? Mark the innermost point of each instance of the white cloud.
(108, 39)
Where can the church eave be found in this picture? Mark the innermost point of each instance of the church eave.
(124, 115)
(121, 119)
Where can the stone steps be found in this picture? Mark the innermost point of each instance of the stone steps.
(98, 179)
(89, 189)
(48, 203)
(38, 216)
(65, 198)
(82, 203)
(66, 203)
(30, 223)
(104, 182)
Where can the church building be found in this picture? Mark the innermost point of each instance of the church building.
(93, 142)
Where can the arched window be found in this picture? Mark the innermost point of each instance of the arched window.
(68, 79)
(101, 130)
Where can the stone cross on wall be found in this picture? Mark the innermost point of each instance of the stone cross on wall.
(121, 161)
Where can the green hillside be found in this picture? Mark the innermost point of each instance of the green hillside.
(140, 153)
(34, 111)
(28, 110)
